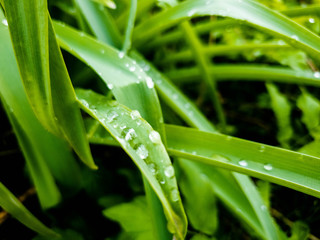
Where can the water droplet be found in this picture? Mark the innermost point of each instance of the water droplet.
(127, 65)
(154, 136)
(162, 182)
(174, 195)
(169, 171)
(194, 153)
(262, 148)
(191, 13)
(153, 168)
(130, 134)
(81, 34)
(115, 125)
(220, 158)
(150, 83)
(146, 68)
(112, 115)
(84, 103)
(123, 127)
(102, 51)
(135, 115)
(263, 207)
(311, 20)
(295, 37)
(5, 22)
(139, 122)
(100, 73)
(132, 68)
(142, 151)
(110, 85)
(316, 74)
(121, 54)
(267, 167)
(243, 163)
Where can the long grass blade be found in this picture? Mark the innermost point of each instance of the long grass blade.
(245, 10)
(146, 149)
(13, 206)
(291, 169)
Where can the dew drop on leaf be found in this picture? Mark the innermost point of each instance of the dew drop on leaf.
(169, 171)
(135, 115)
(154, 137)
(142, 151)
(121, 54)
(243, 163)
(268, 167)
(110, 85)
(150, 83)
(316, 74)
(174, 195)
(130, 135)
(112, 115)
(262, 148)
(5, 22)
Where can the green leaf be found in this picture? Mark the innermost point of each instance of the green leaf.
(295, 170)
(28, 24)
(235, 72)
(312, 149)
(44, 73)
(199, 199)
(282, 110)
(133, 217)
(245, 10)
(310, 107)
(27, 128)
(300, 231)
(13, 206)
(145, 147)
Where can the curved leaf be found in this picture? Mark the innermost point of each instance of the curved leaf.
(244, 10)
(291, 169)
(145, 147)
(13, 206)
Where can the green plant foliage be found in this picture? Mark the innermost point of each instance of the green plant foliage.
(133, 217)
(202, 115)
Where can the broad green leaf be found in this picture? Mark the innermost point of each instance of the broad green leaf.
(145, 147)
(312, 148)
(199, 199)
(245, 10)
(300, 231)
(64, 103)
(107, 3)
(133, 217)
(130, 25)
(310, 107)
(13, 206)
(201, 237)
(121, 74)
(44, 73)
(28, 24)
(282, 110)
(28, 129)
(226, 72)
(287, 168)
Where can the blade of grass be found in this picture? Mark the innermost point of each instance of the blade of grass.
(145, 147)
(183, 104)
(248, 73)
(203, 64)
(130, 25)
(13, 206)
(245, 10)
(33, 61)
(295, 170)
(154, 117)
(282, 110)
(44, 73)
